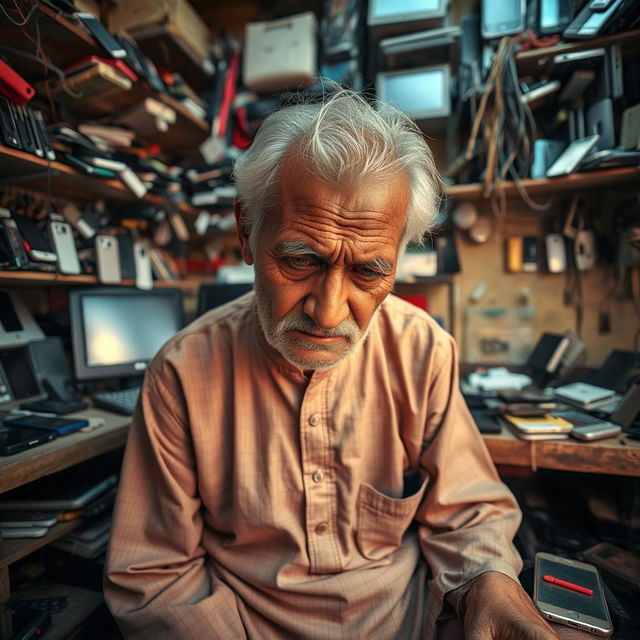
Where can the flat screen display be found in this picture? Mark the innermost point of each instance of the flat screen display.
(420, 93)
(122, 330)
(392, 8)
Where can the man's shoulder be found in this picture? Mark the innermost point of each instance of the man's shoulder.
(399, 316)
(413, 331)
(205, 336)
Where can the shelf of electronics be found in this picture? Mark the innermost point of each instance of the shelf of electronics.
(30, 171)
(544, 186)
(35, 279)
(536, 61)
(27, 170)
(66, 43)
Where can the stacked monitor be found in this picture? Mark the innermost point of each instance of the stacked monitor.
(117, 331)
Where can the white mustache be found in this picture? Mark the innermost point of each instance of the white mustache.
(302, 322)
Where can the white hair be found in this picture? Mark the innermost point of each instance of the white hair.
(340, 141)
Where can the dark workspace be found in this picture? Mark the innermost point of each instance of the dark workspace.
(320, 319)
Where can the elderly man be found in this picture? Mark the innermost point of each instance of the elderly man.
(301, 463)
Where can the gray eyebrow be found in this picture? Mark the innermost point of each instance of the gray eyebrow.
(302, 248)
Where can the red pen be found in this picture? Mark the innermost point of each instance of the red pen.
(568, 585)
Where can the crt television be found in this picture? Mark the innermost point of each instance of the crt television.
(422, 93)
(117, 331)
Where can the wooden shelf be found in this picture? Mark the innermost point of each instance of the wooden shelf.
(64, 451)
(13, 550)
(29, 171)
(604, 456)
(536, 61)
(573, 182)
(36, 279)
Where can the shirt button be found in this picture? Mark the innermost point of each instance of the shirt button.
(321, 528)
(317, 476)
(314, 419)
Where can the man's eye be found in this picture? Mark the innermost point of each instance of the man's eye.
(370, 274)
(299, 261)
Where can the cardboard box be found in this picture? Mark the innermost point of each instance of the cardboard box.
(176, 17)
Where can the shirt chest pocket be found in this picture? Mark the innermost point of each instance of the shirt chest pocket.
(382, 521)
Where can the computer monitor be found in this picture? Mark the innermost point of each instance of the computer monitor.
(211, 296)
(117, 331)
(422, 93)
(383, 12)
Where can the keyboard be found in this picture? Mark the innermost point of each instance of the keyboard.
(123, 401)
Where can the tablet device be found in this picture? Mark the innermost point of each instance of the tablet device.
(16, 439)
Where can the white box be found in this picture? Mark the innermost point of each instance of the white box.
(280, 53)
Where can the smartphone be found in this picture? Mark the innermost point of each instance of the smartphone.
(572, 156)
(108, 259)
(144, 276)
(571, 603)
(596, 431)
(87, 168)
(24, 532)
(14, 439)
(102, 35)
(36, 244)
(61, 426)
(65, 246)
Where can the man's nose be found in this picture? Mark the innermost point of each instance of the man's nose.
(327, 303)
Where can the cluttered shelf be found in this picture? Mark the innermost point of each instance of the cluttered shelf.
(37, 278)
(28, 170)
(64, 452)
(572, 182)
(618, 456)
(537, 61)
(15, 549)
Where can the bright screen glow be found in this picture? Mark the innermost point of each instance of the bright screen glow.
(417, 93)
(128, 329)
(387, 8)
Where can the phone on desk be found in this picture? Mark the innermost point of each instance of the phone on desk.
(61, 426)
(571, 593)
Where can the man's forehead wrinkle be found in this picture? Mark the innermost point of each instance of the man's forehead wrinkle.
(345, 210)
(340, 233)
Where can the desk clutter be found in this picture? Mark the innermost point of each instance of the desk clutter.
(604, 405)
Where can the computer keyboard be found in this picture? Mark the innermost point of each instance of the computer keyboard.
(123, 401)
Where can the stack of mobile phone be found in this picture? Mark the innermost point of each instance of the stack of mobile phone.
(23, 128)
(23, 245)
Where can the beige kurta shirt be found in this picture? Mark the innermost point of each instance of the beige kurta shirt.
(258, 503)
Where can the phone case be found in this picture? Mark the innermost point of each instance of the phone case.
(108, 259)
(65, 247)
(514, 254)
(556, 253)
(144, 276)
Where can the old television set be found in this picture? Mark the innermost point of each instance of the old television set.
(422, 93)
(116, 332)
(387, 17)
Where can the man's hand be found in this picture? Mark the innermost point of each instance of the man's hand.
(497, 608)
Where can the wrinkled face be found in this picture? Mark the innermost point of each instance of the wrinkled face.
(324, 262)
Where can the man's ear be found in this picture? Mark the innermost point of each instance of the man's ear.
(243, 236)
